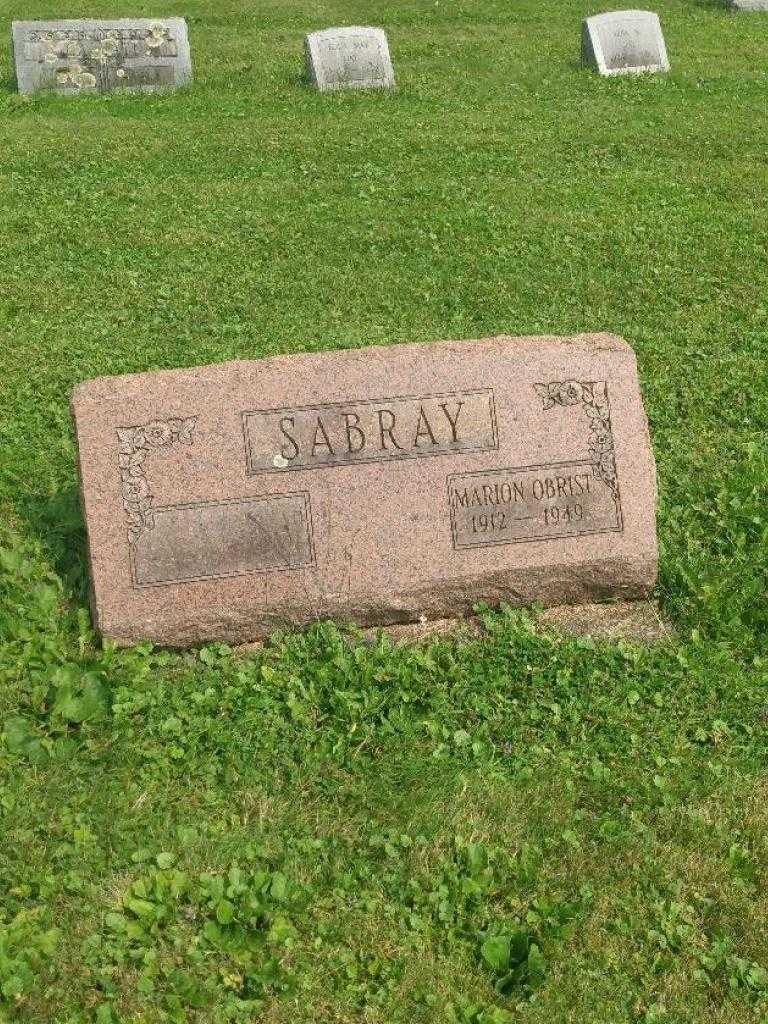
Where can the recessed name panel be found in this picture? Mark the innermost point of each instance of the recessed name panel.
(532, 503)
(369, 430)
(216, 539)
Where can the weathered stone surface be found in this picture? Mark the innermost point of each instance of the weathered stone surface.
(623, 42)
(353, 57)
(77, 57)
(749, 5)
(381, 485)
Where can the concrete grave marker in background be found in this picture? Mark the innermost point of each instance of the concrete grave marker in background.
(623, 42)
(78, 57)
(349, 58)
(378, 485)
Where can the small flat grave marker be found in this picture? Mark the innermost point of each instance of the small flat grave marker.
(353, 57)
(623, 42)
(77, 57)
(379, 485)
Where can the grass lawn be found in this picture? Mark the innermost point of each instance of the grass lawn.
(517, 827)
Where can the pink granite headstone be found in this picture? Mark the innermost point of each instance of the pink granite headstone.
(378, 485)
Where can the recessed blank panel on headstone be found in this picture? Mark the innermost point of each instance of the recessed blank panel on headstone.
(78, 57)
(623, 42)
(353, 57)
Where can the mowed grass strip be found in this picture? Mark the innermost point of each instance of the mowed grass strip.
(514, 827)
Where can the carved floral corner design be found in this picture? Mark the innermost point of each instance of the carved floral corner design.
(593, 398)
(134, 445)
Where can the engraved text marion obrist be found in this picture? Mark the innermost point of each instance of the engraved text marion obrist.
(377, 485)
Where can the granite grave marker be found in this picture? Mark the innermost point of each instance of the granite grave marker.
(623, 42)
(78, 57)
(380, 485)
(353, 57)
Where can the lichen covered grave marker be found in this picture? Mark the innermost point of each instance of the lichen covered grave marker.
(78, 57)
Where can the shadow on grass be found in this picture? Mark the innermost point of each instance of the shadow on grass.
(298, 79)
(8, 84)
(57, 522)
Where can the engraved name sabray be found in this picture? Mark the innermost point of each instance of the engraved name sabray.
(135, 444)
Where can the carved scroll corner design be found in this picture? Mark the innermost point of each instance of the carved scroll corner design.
(592, 396)
(135, 444)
